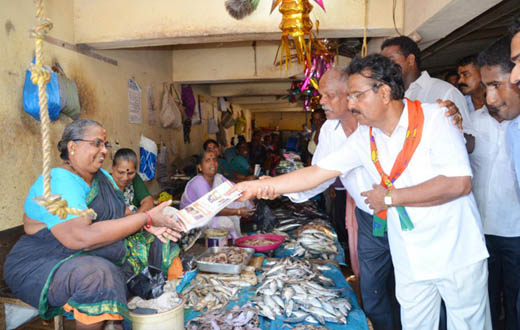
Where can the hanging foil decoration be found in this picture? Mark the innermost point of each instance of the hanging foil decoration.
(297, 24)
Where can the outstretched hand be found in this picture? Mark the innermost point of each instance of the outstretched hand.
(159, 219)
(254, 189)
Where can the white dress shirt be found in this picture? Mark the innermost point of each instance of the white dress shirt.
(445, 237)
(332, 137)
(428, 90)
(494, 183)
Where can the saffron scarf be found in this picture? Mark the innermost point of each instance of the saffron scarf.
(412, 140)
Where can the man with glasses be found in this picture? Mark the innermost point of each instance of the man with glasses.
(423, 199)
(375, 266)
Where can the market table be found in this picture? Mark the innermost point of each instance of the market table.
(356, 318)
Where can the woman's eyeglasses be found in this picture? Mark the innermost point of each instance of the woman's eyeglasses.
(97, 143)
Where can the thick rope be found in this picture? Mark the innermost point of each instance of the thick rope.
(364, 48)
(41, 76)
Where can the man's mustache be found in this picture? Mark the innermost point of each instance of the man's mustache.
(462, 85)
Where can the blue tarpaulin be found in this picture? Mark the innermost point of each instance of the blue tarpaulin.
(356, 319)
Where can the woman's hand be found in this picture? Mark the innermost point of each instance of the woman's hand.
(161, 220)
(164, 233)
(245, 212)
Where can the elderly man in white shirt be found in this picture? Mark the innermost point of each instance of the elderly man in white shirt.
(441, 251)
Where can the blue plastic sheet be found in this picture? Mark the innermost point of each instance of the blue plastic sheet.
(356, 319)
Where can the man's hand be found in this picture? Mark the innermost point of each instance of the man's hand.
(375, 198)
(452, 111)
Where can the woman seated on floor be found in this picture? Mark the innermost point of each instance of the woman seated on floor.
(124, 172)
(207, 180)
(224, 167)
(78, 264)
(240, 164)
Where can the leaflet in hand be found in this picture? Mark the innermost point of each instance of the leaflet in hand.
(200, 212)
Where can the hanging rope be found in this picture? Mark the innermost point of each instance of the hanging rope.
(364, 48)
(41, 76)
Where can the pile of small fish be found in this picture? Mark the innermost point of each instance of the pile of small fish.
(213, 291)
(231, 255)
(314, 240)
(295, 289)
(245, 317)
(309, 327)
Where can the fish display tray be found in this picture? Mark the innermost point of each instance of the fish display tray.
(213, 267)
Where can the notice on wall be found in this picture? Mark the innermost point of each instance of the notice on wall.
(150, 106)
(134, 102)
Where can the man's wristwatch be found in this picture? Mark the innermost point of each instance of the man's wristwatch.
(388, 198)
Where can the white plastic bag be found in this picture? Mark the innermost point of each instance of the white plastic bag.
(148, 158)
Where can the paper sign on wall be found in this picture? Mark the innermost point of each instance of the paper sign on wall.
(134, 102)
(150, 106)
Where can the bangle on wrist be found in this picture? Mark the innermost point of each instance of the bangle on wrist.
(149, 221)
(239, 212)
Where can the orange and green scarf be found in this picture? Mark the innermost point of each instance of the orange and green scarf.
(413, 137)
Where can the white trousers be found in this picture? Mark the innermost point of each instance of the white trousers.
(464, 292)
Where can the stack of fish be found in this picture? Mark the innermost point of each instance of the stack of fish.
(314, 240)
(245, 317)
(295, 289)
(214, 291)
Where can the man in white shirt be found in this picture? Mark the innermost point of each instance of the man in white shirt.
(444, 255)
(470, 83)
(376, 269)
(494, 185)
(419, 85)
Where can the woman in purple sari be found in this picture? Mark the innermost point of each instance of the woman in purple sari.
(207, 180)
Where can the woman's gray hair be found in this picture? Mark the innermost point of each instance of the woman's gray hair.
(73, 132)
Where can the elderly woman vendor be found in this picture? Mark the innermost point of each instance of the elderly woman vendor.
(137, 197)
(207, 180)
(78, 264)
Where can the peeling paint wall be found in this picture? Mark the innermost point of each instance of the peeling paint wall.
(103, 95)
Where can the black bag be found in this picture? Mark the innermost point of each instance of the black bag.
(148, 284)
(264, 217)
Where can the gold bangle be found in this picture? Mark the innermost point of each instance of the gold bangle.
(239, 212)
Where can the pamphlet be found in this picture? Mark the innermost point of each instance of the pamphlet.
(200, 212)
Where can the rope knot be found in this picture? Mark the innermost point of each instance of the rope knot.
(59, 207)
(39, 74)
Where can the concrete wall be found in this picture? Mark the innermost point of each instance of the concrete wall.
(103, 95)
(202, 21)
(280, 120)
